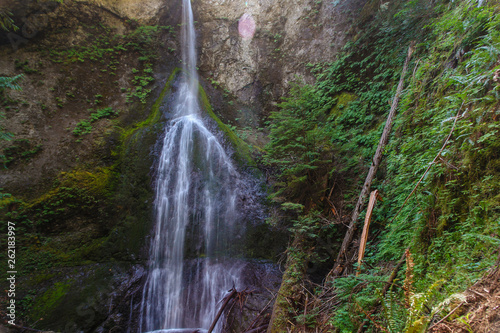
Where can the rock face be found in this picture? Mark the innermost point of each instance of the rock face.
(289, 34)
(55, 94)
(78, 59)
(256, 70)
(145, 11)
(249, 51)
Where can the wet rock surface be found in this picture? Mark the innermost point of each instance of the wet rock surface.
(251, 308)
(289, 34)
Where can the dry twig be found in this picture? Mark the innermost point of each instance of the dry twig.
(446, 317)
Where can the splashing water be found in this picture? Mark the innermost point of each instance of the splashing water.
(196, 199)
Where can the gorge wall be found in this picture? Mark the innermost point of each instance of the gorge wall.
(77, 176)
(288, 35)
(246, 77)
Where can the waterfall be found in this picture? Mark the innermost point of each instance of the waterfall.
(195, 211)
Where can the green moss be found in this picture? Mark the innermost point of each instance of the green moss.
(79, 196)
(368, 11)
(243, 153)
(290, 287)
(99, 181)
(6, 200)
(90, 252)
(155, 114)
(95, 184)
(50, 300)
(41, 278)
(96, 181)
(343, 101)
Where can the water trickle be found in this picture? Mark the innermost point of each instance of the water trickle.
(196, 199)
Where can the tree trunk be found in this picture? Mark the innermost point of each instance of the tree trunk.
(337, 270)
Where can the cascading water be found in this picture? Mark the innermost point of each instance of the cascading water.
(196, 199)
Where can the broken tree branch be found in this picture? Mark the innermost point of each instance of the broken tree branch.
(231, 294)
(394, 274)
(431, 164)
(373, 169)
(446, 317)
(364, 236)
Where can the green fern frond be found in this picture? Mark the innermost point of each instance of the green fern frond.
(7, 82)
(417, 320)
(6, 21)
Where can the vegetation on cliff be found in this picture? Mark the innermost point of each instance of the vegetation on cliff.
(77, 105)
(6, 23)
(323, 139)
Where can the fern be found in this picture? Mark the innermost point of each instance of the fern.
(10, 82)
(417, 319)
(3, 135)
(7, 83)
(393, 312)
(6, 21)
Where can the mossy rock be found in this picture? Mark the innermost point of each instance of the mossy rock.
(343, 101)
(78, 196)
(290, 287)
(80, 298)
(242, 150)
(155, 114)
(50, 299)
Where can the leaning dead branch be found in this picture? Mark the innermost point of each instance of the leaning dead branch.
(337, 270)
(226, 299)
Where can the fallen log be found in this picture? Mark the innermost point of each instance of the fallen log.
(232, 294)
(371, 173)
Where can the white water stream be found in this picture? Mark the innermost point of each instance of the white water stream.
(196, 195)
